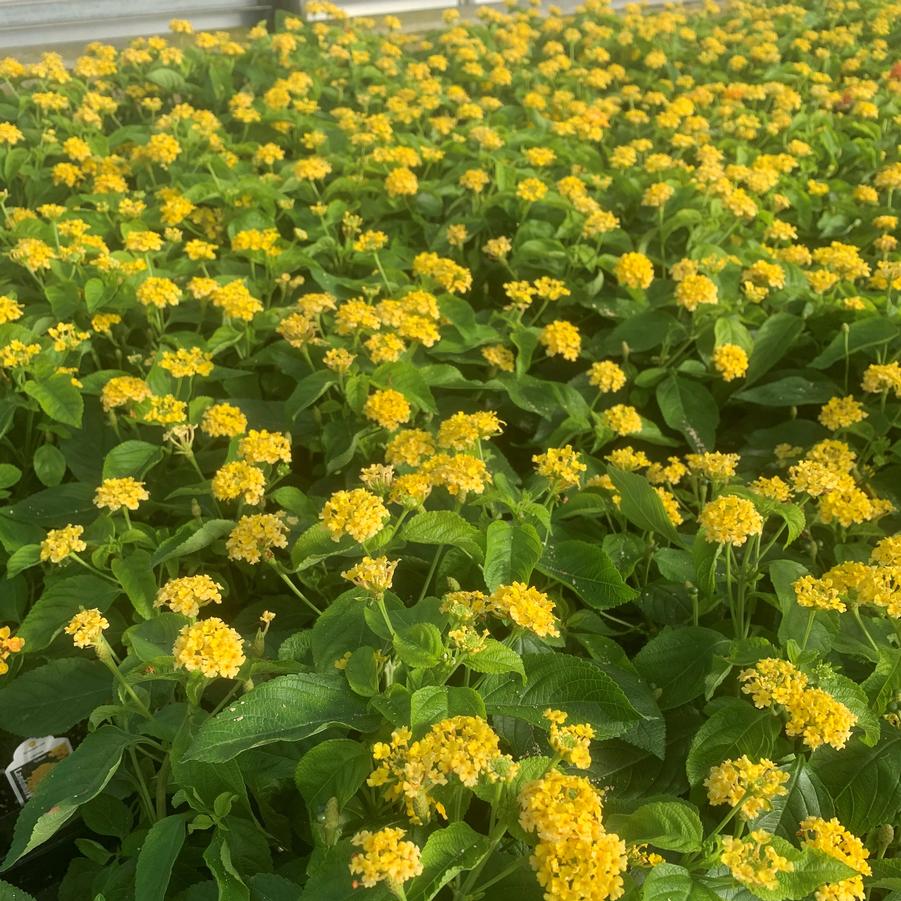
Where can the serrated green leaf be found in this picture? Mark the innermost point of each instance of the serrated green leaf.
(511, 552)
(288, 708)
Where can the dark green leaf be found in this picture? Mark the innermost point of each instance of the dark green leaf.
(791, 391)
(566, 683)
(157, 858)
(673, 825)
(58, 398)
(641, 505)
(131, 458)
(54, 697)
(288, 708)
(49, 465)
(511, 552)
(443, 527)
(60, 601)
(863, 781)
(688, 407)
(333, 769)
(771, 342)
(72, 782)
(676, 663)
(734, 729)
(587, 571)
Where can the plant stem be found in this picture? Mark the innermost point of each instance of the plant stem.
(431, 572)
(284, 577)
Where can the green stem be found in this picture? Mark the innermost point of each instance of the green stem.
(143, 791)
(162, 783)
(142, 707)
(855, 610)
(431, 572)
(284, 577)
(810, 617)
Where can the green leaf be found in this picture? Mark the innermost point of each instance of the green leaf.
(806, 797)
(60, 601)
(446, 853)
(434, 703)
(23, 558)
(157, 857)
(135, 575)
(9, 475)
(791, 391)
(316, 544)
(670, 882)
(673, 825)
(862, 334)
(154, 638)
(444, 527)
(566, 683)
(58, 398)
(11, 893)
(341, 628)
(218, 858)
(184, 542)
(688, 407)
(586, 570)
(308, 391)
(811, 868)
(884, 683)
(406, 378)
(333, 769)
(771, 342)
(496, 657)
(131, 458)
(641, 505)
(362, 672)
(419, 645)
(676, 662)
(54, 697)
(863, 781)
(735, 728)
(49, 465)
(511, 552)
(288, 708)
(72, 782)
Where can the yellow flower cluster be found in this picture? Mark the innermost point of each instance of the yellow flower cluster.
(384, 858)
(86, 628)
(561, 466)
(357, 513)
(461, 431)
(634, 270)
(210, 647)
(9, 644)
(239, 479)
(60, 543)
(464, 747)
(753, 861)
(730, 520)
(389, 408)
(575, 856)
(830, 837)
(570, 743)
(526, 607)
(188, 594)
(745, 784)
(606, 376)
(813, 714)
(372, 574)
(254, 537)
(114, 494)
(561, 338)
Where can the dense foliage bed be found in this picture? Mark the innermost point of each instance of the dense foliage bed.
(458, 465)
